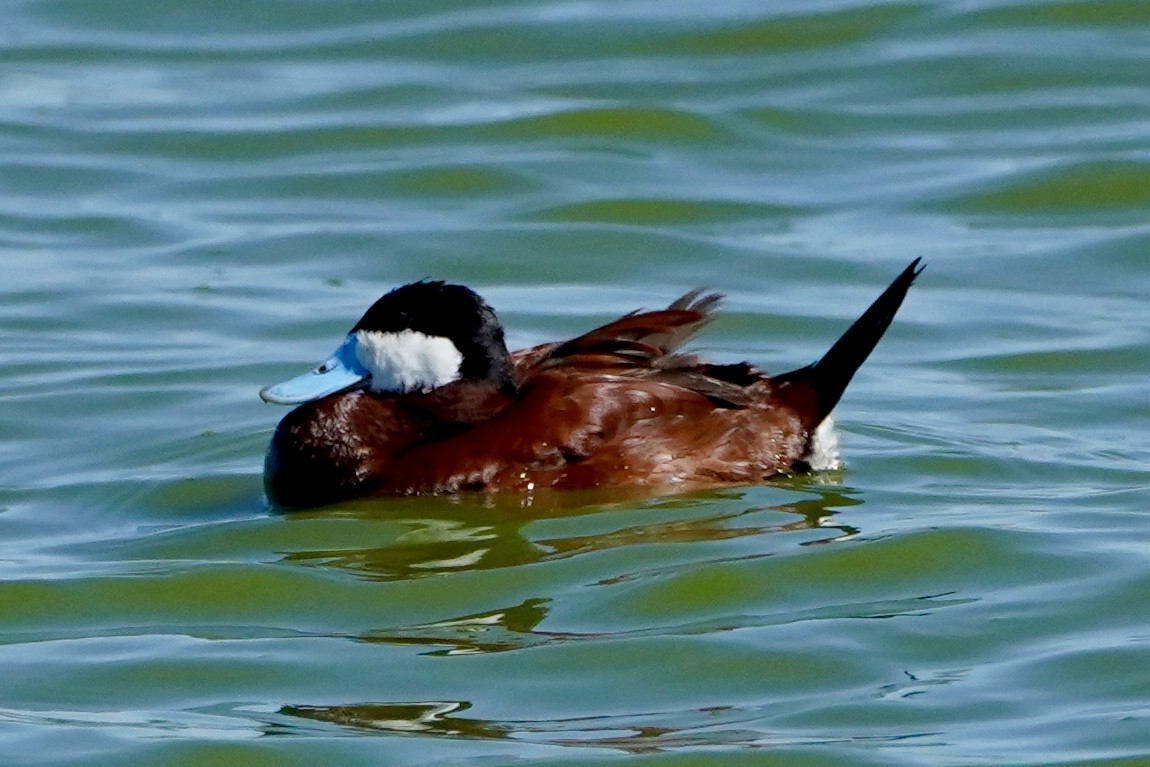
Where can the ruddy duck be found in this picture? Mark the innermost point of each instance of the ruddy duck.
(424, 397)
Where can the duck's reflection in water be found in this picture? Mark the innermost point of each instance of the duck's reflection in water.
(486, 536)
(653, 732)
(496, 537)
(634, 733)
(483, 533)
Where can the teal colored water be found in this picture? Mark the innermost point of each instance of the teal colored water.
(199, 198)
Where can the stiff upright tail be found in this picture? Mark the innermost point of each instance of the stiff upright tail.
(815, 389)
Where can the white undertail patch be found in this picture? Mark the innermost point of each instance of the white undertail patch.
(407, 361)
(823, 453)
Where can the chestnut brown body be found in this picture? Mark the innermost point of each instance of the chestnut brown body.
(618, 406)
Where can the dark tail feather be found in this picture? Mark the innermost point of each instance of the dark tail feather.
(816, 389)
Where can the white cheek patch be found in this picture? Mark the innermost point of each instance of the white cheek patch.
(407, 361)
(823, 454)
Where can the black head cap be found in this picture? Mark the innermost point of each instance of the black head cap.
(455, 312)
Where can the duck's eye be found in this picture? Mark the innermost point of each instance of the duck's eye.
(322, 368)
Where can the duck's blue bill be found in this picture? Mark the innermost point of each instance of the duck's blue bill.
(342, 371)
